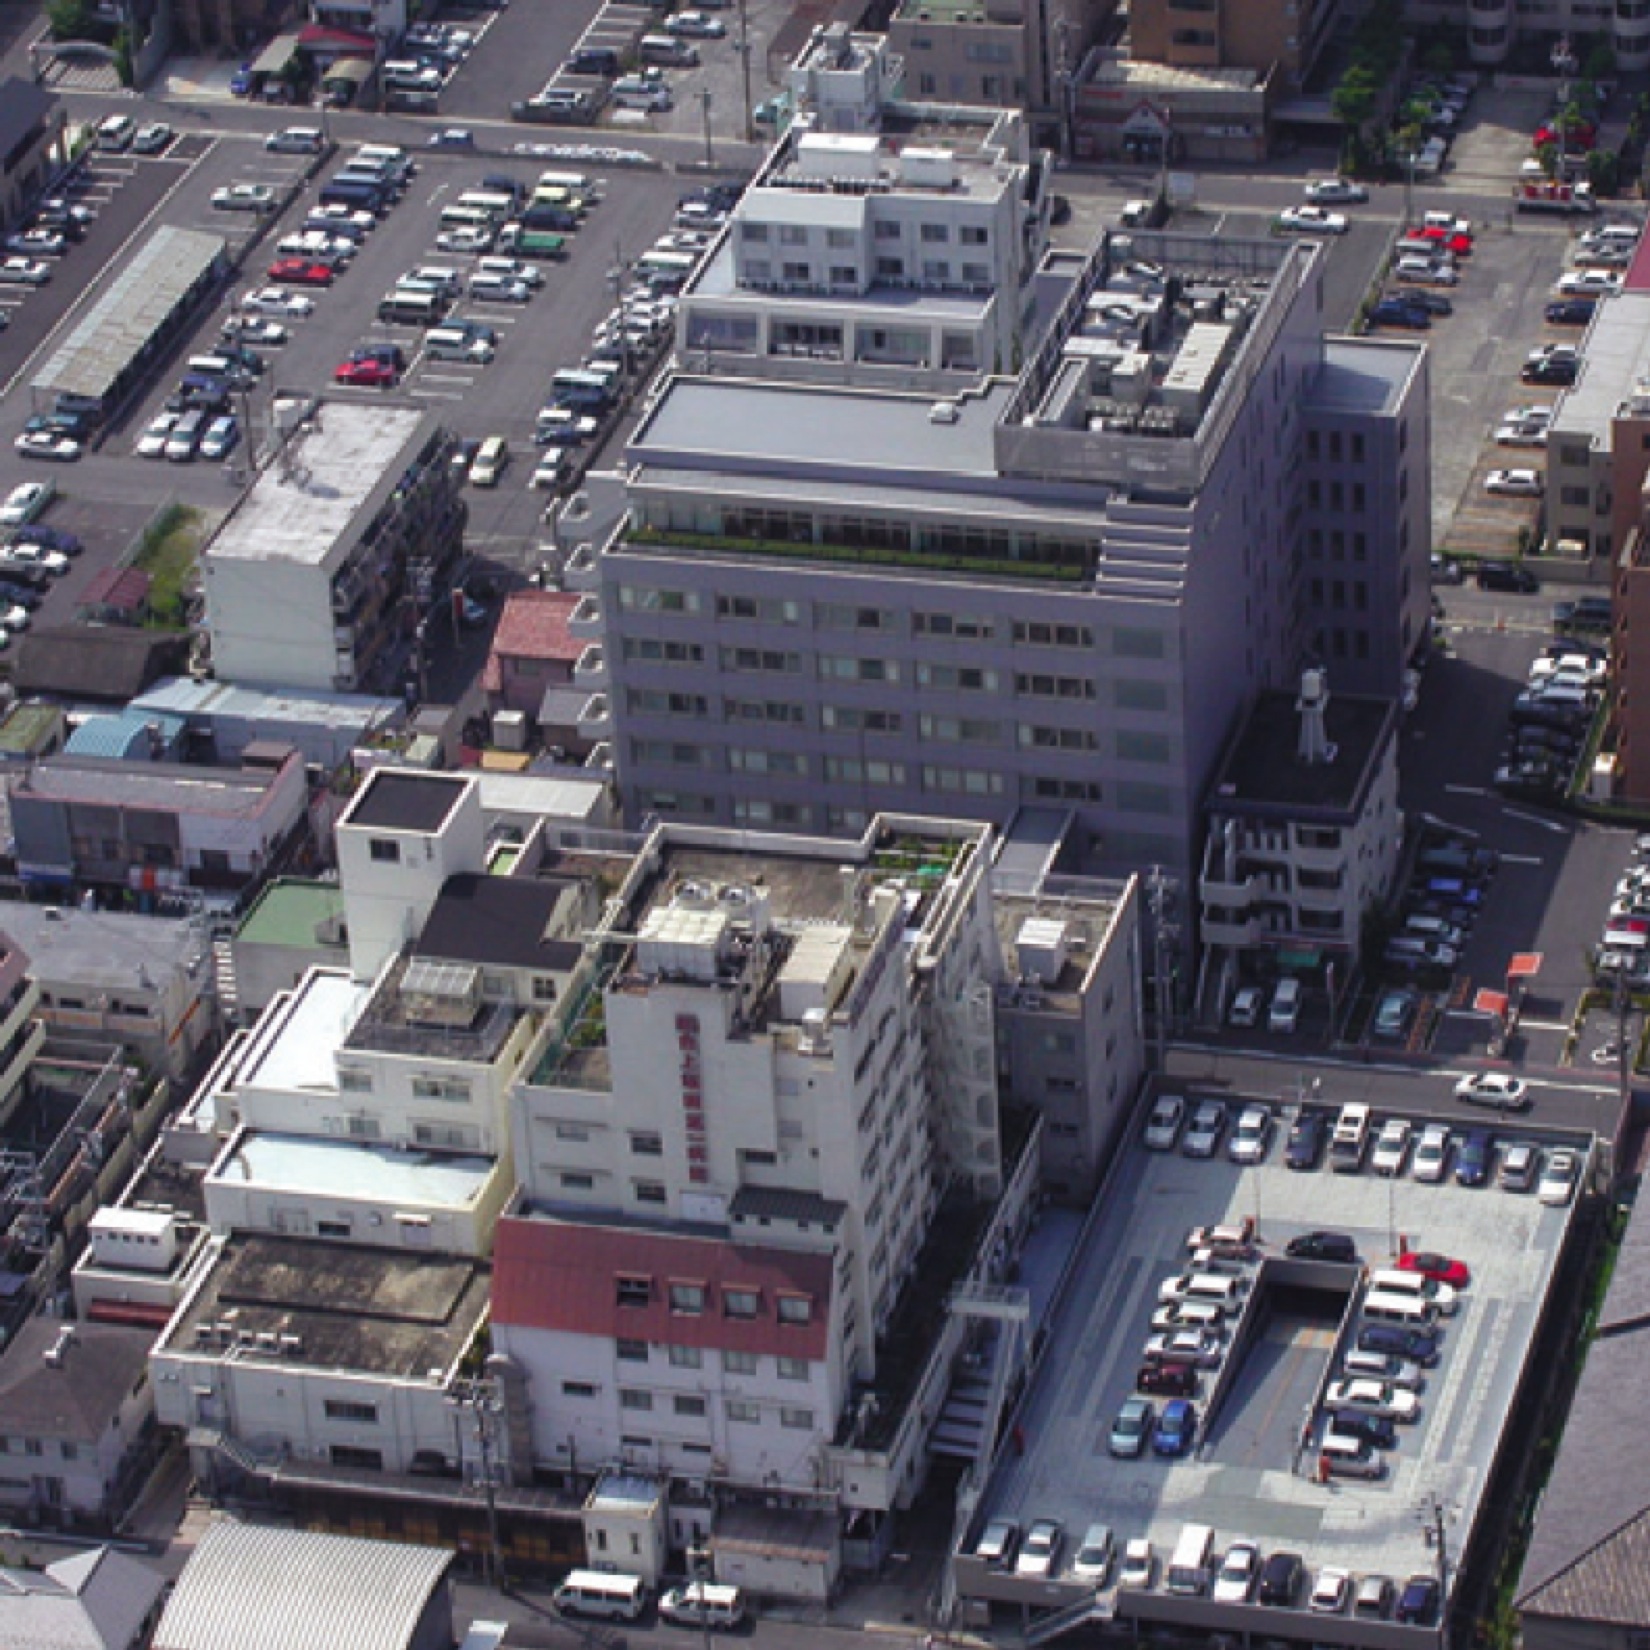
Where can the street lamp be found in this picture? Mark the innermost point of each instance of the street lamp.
(482, 1401)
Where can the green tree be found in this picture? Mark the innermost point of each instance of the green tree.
(1603, 171)
(68, 19)
(123, 56)
(1353, 104)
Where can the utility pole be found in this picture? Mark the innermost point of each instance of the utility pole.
(1433, 1518)
(699, 1568)
(482, 1401)
(745, 67)
(705, 99)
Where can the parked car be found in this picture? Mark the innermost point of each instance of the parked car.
(998, 1541)
(1176, 1429)
(1280, 1580)
(220, 438)
(1373, 1398)
(271, 300)
(1252, 1138)
(1203, 1133)
(1246, 1006)
(1510, 576)
(1201, 1348)
(1139, 1566)
(244, 197)
(1093, 1558)
(1331, 1591)
(1163, 1124)
(1428, 1263)
(1379, 1431)
(48, 444)
(1391, 1150)
(1335, 1246)
(1418, 1602)
(1040, 1548)
(1312, 220)
(1336, 192)
(1393, 1014)
(1235, 1579)
(1559, 1177)
(153, 138)
(1394, 312)
(1520, 1167)
(1132, 1429)
(1307, 1134)
(301, 272)
(1514, 483)
(1167, 1380)
(1432, 1148)
(1472, 1160)
(1418, 1345)
(25, 501)
(24, 272)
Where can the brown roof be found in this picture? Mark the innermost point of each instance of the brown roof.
(96, 661)
(558, 1275)
(125, 587)
(533, 625)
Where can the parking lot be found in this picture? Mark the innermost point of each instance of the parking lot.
(1254, 1470)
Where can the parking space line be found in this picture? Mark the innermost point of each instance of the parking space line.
(437, 395)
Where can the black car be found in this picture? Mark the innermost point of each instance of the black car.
(1394, 312)
(1335, 1246)
(1558, 374)
(1418, 1603)
(1306, 1139)
(1472, 1158)
(1167, 1380)
(1508, 575)
(1571, 312)
(51, 538)
(1280, 1579)
(1418, 1345)
(20, 594)
(1379, 1430)
(1434, 303)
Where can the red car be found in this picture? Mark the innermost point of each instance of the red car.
(368, 371)
(1452, 240)
(300, 272)
(1440, 1268)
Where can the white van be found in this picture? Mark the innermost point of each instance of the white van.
(296, 140)
(578, 184)
(412, 309)
(1192, 1561)
(1345, 1457)
(1390, 1281)
(1285, 1012)
(596, 1593)
(1407, 1311)
(457, 344)
(704, 1604)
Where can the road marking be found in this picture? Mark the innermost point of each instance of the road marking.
(1467, 790)
(437, 395)
(1534, 819)
(1522, 859)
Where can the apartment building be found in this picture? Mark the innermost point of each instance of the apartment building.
(1493, 28)
(1062, 588)
(347, 534)
(1304, 837)
(1279, 43)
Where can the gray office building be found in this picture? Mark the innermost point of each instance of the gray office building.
(1065, 587)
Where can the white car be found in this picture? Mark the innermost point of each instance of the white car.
(1312, 220)
(1040, 1548)
(498, 289)
(53, 562)
(1514, 483)
(24, 271)
(1252, 1136)
(1198, 1347)
(1531, 414)
(1431, 1154)
(61, 449)
(23, 503)
(317, 244)
(1521, 435)
(38, 243)
(244, 197)
(254, 329)
(339, 218)
(1558, 1178)
(1331, 1591)
(550, 471)
(634, 92)
(152, 443)
(511, 269)
(1424, 272)
(1092, 1561)
(1235, 1579)
(1205, 1129)
(468, 237)
(14, 617)
(1494, 1088)
(1588, 283)
(1336, 192)
(695, 25)
(1139, 1566)
(1373, 1398)
(1391, 1147)
(1163, 1125)
(273, 300)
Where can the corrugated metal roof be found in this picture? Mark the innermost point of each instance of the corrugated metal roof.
(249, 1587)
(138, 301)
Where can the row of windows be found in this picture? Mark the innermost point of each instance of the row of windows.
(1125, 694)
(690, 1298)
(68, 1450)
(636, 1401)
(1130, 746)
(693, 1357)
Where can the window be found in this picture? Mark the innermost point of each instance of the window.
(973, 235)
(635, 1291)
(1140, 695)
(650, 1191)
(741, 1303)
(747, 1414)
(332, 1228)
(1131, 643)
(689, 1406)
(441, 1088)
(353, 1081)
(573, 1182)
(739, 1363)
(631, 1398)
(687, 1298)
(572, 1131)
(793, 1369)
(342, 1409)
(544, 989)
(796, 1309)
(383, 851)
(1142, 747)
(936, 234)
(686, 1357)
(578, 1389)
(798, 1420)
(631, 1352)
(754, 232)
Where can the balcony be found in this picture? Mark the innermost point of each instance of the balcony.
(1235, 897)
(1305, 858)
(1230, 928)
(590, 672)
(586, 619)
(596, 717)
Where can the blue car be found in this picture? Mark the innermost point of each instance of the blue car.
(1394, 312)
(240, 83)
(1176, 1428)
(1472, 1161)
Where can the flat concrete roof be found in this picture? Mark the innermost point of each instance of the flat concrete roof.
(351, 1169)
(1249, 1476)
(294, 1047)
(789, 425)
(1364, 376)
(305, 499)
(1615, 357)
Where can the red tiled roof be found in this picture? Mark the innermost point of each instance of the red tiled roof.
(126, 587)
(1638, 272)
(533, 625)
(558, 1275)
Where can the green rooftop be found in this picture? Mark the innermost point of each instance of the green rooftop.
(296, 913)
(29, 727)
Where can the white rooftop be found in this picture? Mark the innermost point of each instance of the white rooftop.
(306, 498)
(1615, 360)
(354, 1169)
(294, 1048)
